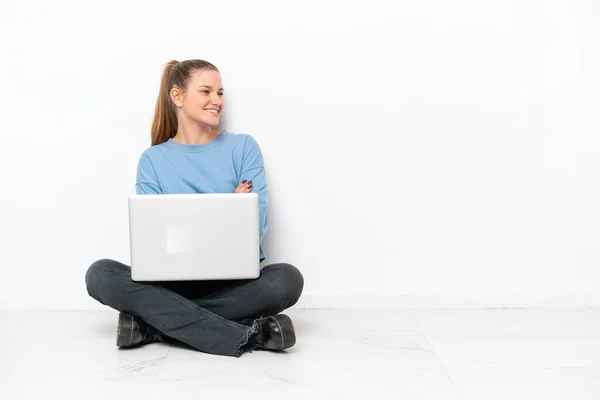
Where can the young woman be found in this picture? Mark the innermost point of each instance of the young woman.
(189, 156)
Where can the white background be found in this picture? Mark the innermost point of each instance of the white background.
(440, 150)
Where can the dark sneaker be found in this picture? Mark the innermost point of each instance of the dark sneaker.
(274, 333)
(132, 331)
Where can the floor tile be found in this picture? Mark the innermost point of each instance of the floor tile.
(507, 321)
(340, 354)
(532, 384)
(506, 352)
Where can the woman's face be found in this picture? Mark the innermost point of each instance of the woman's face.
(202, 101)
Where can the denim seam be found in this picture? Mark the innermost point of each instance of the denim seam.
(244, 340)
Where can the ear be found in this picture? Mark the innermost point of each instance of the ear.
(176, 95)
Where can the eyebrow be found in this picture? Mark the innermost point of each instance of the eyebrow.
(210, 87)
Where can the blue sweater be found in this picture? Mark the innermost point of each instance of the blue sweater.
(218, 166)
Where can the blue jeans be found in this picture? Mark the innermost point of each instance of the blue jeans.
(211, 316)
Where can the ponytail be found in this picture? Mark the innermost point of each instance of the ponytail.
(164, 123)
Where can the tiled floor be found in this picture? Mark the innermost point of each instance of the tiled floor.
(340, 354)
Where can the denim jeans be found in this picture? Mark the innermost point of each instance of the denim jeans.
(211, 316)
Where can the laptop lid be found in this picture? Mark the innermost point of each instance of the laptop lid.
(194, 236)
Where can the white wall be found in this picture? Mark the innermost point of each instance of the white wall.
(443, 151)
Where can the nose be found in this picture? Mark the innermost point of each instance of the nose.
(216, 100)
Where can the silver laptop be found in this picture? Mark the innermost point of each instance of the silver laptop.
(176, 237)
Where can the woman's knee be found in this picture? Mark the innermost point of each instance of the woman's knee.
(99, 271)
(290, 281)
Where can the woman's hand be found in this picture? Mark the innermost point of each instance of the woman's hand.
(244, 187)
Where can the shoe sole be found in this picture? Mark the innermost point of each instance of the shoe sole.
(124, 330)
(287, 330)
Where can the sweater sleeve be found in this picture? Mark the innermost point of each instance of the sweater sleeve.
(253, 169)
(147, 181)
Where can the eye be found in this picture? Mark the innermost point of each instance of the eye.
(221, 94)
(205, 91)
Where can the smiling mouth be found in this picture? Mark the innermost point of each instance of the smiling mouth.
(212, 111)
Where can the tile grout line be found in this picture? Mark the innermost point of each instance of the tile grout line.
(154, 380)
(436, 356)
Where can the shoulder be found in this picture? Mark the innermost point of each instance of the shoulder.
(151, 153)
(151, 157)
(242, 141)
(238, 138)
(247, 142)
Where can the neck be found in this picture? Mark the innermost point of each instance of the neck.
(192, 133)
